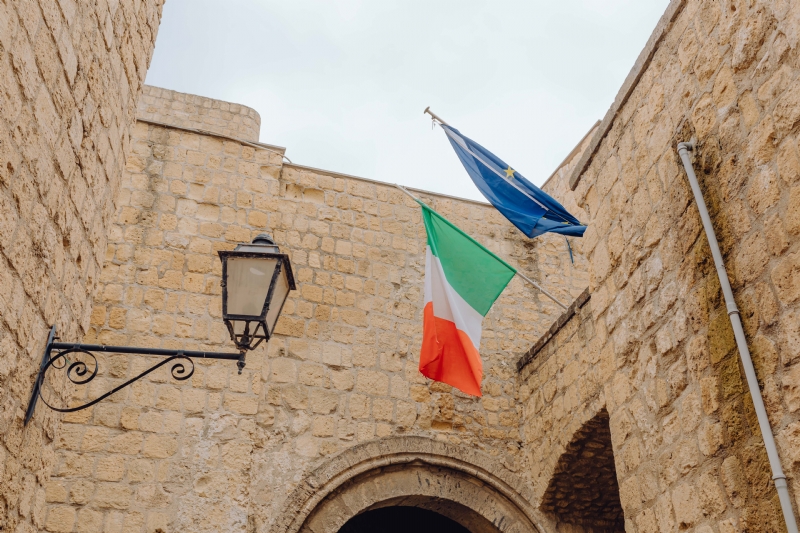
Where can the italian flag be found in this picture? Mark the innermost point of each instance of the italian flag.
(462, 281)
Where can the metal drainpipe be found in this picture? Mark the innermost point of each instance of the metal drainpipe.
(741, 343)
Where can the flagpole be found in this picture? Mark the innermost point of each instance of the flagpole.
(523, 276)
(408, 193)
(526, 278)
(434, 115)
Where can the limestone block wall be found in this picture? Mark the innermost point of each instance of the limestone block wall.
(223, 451)
(555, 265)
(688, 451)
(70, 74)
(561, 388)
(560, 365)
(198, 112)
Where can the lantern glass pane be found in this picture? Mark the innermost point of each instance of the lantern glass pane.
(248, 284)
(278, 297)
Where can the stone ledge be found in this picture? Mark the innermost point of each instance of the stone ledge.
(269, 147)
(579, 302)
(631, 81)
(334, 174)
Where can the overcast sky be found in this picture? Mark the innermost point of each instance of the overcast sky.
(342, 83)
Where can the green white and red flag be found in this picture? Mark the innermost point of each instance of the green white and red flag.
(462, 281)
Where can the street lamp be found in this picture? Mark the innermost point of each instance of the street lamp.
(256, 280)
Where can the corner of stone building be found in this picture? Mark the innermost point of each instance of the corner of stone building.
(198, 112)
(721, 73)
(565, 424)
(71, 75)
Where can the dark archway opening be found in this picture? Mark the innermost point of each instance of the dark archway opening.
(584, 489)
(401, 520)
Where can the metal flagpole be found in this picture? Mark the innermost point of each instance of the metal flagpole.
(526, 278)
(434, 115)
(523, 276)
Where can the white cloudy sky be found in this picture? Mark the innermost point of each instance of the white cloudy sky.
(343, 83)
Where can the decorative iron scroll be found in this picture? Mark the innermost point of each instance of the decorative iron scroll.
(81, 373)
(78, 369)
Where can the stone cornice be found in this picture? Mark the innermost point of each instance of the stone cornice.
(579, 302)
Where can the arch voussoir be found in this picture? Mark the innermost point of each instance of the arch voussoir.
(415, 470)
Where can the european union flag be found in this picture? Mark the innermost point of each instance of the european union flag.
(524, 204)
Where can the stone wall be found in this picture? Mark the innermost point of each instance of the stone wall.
(555, 269)
(646, 359)
(561, 389)
(223, 451)
(657, 351)
(199, 113)
(70, 74)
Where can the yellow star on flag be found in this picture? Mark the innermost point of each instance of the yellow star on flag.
(509, 173)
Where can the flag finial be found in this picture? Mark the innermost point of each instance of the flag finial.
(434, 115)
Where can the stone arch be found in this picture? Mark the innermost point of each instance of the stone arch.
(452, 480)
(583, 489)
(553, 448)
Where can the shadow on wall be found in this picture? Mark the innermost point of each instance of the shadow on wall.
(584, 490)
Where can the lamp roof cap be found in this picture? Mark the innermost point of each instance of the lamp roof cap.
(263, 243)
(264, 238)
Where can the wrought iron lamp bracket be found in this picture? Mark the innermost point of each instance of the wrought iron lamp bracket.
(79, 373)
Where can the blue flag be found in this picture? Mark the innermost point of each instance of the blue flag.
(524, 204)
